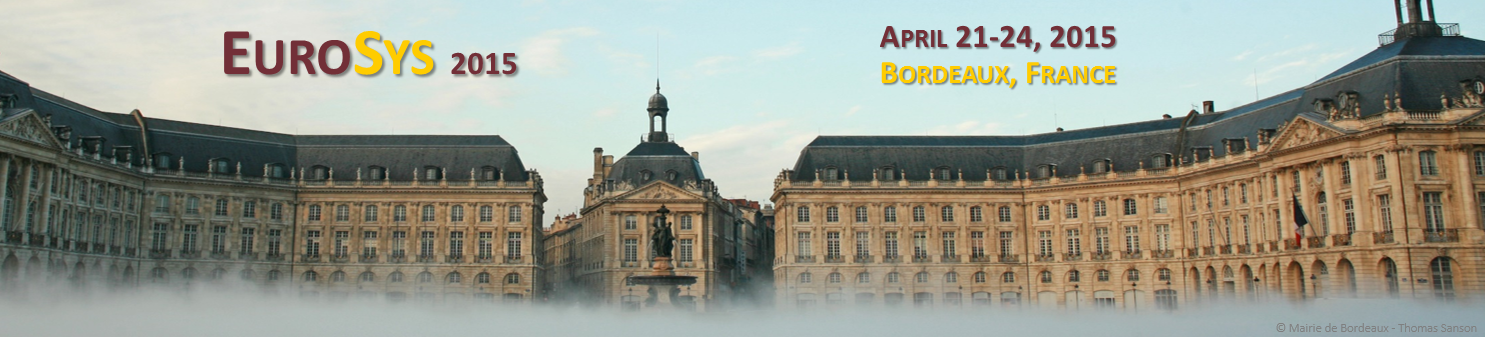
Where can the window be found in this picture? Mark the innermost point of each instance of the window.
(1046, 276)
(276, 211)
(399, 213)
(832, 214)
(919, 215)
(889, 214)
(804, 214)
(456, 213)
(1443, 278)
(515, 214)
(1132, 275)
(1005, 213)
(486, 244)
(456, 243)
(1044, 243)
(1349, 208)
(1101, 240)
(1345, 173)
(399, 243)
(831, 174)
(512, 278)
(1162, 274)
(863, 277)
(1043, 213)
(805, 277)
(1070, 211)
(1008, 277)
(1131, 238)
(319, 172)
(803, 246)
(368, 243)
(487, 213)
(834, 277)
(482, 278)
(489, 173)
(425, 277)
(889, 242)
(193, 205)
(249, 209)
(158, 236)
(221, 209)
(888, 174)
(685, 222)
(275, 241)
(1100, 208)
(162, 203)
(432, 173)
(1428, 165)
(188, 238)
(631, 222)
(1243, 194)
(395, 277)
(311, 276)
(832, 244)
(342, 243)
(894, 277)
(1006, 244)
(342, 213)
(454, 277)
(1102, 275)
(425, 244)
(221, 165)
(1433, 211)
(1130, 207)
(378, 173)
(314, 212)
(1380, 165)
(1225, 198)
(977, 244)
(219, 239)
(513, 244)
(429, 214)
(337, 276)
(860, 214)
(979, 277)
(920, 244)
(1074, 276)
(921, 277)
(631, 250)
(943, 173)
(951, 277)
(998, 174)
(686, 248)
(948, 241)
(946, 214)
(1162, 206)
(976, 214)
(863, 244)
(368, 214)
(1074, 243)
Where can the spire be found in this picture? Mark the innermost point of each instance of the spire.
(657, 85)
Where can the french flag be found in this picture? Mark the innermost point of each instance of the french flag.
(1299, 221)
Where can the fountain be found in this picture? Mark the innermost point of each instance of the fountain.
(662, 281)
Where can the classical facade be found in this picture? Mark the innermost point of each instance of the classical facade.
(124, 200)
(719, 241)
(1385, 157)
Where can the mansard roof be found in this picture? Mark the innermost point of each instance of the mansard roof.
(1418, 70)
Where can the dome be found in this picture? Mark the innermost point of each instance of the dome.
(657, 101)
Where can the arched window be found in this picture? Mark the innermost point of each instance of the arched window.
(429, 214)
(489, 173)
(830, 174)
(432, 173)
(887, 174)
(1008, 277)
(245, 275)
(1074, 277)
(163, 160)
(893, 277)
(425, 277)
(1046, 276)
(314, 212)
(274, 275)
(1160, 160)
(453, 277)
(645, 175)
(1103, 275)
(1443, 278)
(863, 277)
(337, 276)
(277, 171)
(1100, 166)
(456, 213)
(999, 174)
(318, 172)
(976, 214)
(221, 166)
(1044, 171)
(979, 277)
(311, 276)
(943, 173)
(342, 213)
(395, 277)
(804, 277)
(512, 278)
(367, 276)
(1162, 274)
(376, 173)
(834, 277)
(159, 275)
(672, 175)
(1132, 275)
(951, 277)
(921, 277)
(482, 278)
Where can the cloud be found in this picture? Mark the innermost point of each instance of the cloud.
(853, 110)
(543, 53)
(779, 52)
(715, 65)
(1243, 55)
(750, 153)
(605, 112)
(969, 127)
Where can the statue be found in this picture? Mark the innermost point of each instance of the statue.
(661, 238)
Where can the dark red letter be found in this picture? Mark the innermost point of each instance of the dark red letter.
(278, 58)
(345, 57)
(229, 52)
(295, 58)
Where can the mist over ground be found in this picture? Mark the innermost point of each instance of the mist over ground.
(69, 311)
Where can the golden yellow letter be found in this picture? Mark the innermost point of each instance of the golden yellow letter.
(376, 57)
(417, 51)
(396, 53)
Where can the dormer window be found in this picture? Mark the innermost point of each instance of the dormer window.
(163, 160)
(998, 174)
(221, 165)
(378, 173)
(319, 172)
(432, 173)
(645, 175)
(942, 173)
(888, 174)
(831, 174)
(277, 171)
(1045, 171)
(1100, 166)
(489, 173)
(671, 175)
(1160, 160)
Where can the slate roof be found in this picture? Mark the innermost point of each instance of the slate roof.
(1418, 69)
(200, 143)
(659, 158)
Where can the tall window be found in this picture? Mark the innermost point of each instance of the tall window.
(1130, 207)
(919, 215)
(1074, 242)
(1101, 240)
(368, 214)
(1323, 213)
(1043, 213)
(312, 243)
(513, 244)
(515, 214)
(803, 244)
(1443, 278)
(276, 211)
(1346, 172)
(456, 213)
(1480, 163)
(399, 243)
(631, 222)
(456, 243)
(889, 244)
(920, 244)
(832, 244)
(221, 209)
(245, 241)
(162, 203)
(949, 243)
(158, 236)
(487, 213)
(686, 248)
(342, 213)
(249, 209)
(1349, 208)
(486, 244)
(863, 244)
(976, 214)
(1070, 211)
(1162, 237)
(314, 212)
(275, 241)
(946, 214)
(1247, 235)
(861, 214)
(1006, 243)
(1131, 238)
(1428, 164)
(803, 214)
(976, 244)
(425, 244)
(1226, 200)
(1004, 213)
(219, 239)
(631, 250)
(1380, 165)
(1044, 243)
(1100, 208)
(342, 243)
(1162, 206)
(1433, 211)
(368, 243)
(889, 214)
(832, 214)
(399, 213)
(188, 237)
(685, 222)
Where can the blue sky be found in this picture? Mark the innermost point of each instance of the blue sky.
(749, 83)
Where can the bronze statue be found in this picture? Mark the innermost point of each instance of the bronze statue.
(661, 239)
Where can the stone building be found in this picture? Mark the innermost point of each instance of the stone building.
(1385, 157)
(717, 240)
(94, 197)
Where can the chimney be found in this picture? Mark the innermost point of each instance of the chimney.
(696, 155)
(598, 164)
(1208, 107)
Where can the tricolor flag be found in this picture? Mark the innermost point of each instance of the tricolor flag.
(1299, 221)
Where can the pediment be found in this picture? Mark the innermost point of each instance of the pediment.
(1478, 118)
(658, 190)
(1302, 131)
(28, 127)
